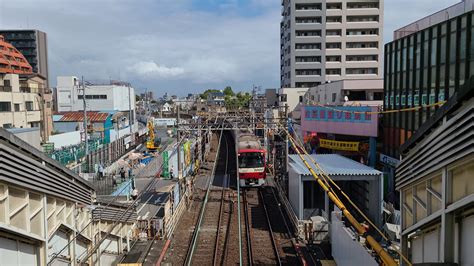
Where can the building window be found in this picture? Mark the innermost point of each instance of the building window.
(8, 125)
(308, 6)
(17, 107)
(5, 106)
(308, 33)
(361, 71)
(305, 20)
(334, 19)
(333, 58)
(354, 45)
(93, 97)
(333, 71)
(333, 6)
(307, 46)
(29, 105)
(362, 18)
(308, 72)
(333, 32)
(334, 97)
(461, 180)
(308, 59)
(333, 45)
(353, 32)
(351, 58)
(301, 98)
(362, 5)
(307, 85)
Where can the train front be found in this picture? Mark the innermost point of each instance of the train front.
(251, 167)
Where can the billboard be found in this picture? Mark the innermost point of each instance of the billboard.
(344, 120)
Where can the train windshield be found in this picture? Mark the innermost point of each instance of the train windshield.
(251, 160)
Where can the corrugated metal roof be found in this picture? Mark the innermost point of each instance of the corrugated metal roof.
(79, 116)
(332, 164)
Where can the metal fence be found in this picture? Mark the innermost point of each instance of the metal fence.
(74, 153)
(104, 185)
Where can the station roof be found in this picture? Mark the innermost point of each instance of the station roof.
(333, 165)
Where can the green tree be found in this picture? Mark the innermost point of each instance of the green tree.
(206, 93)
(228, 91)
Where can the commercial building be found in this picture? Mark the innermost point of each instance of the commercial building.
(347, 92)
(330, 40)
(431, 62)
(335, 118)
(33, 45)
(110, 97)
(434, 178)
(424, 67)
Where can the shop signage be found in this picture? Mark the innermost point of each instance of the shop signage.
(339, 145)
(389, 160)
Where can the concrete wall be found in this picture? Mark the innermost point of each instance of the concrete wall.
(65, 139)
(346, 250)
(292, 97)
(30, 135)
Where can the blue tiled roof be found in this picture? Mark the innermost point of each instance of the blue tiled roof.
(332, 164)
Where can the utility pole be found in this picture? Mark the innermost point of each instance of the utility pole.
(130, 115)
(178, 135)
(85, 116)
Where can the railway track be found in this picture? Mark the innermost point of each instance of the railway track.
(212, 232)
(260, 238)
(224, 226)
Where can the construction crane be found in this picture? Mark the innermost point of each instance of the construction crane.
(153, 142)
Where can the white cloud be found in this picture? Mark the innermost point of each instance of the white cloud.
(195, 49)
(149, 69)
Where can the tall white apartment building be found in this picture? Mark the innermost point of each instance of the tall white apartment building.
(327, 40)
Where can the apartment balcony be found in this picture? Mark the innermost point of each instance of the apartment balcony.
(5, 88)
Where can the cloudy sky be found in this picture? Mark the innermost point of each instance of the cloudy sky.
(174, 46)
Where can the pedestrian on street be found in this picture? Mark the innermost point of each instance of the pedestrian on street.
(135, 194)
(122, 174)
(101, 171)
(130, 172)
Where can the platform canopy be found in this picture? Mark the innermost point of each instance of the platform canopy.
(336, 166)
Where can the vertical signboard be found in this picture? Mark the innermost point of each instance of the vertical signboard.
(165, 172)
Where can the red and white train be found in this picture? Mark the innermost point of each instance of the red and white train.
(251, 159)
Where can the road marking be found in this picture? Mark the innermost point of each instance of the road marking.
(145, 203)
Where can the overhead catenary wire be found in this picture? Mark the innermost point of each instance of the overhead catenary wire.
(384, 256)
(326, 176)
(76, 235)
(377, 112)
(97, 245)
